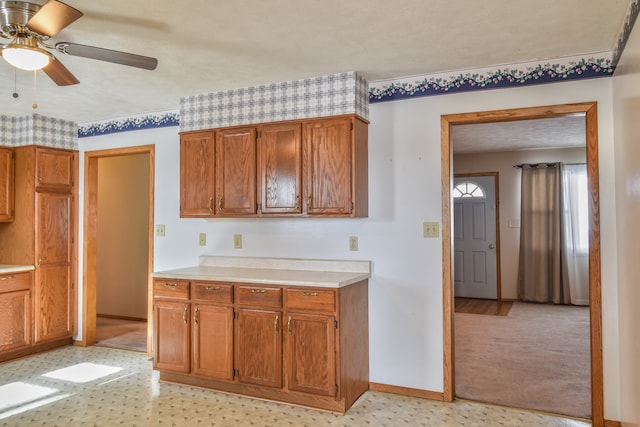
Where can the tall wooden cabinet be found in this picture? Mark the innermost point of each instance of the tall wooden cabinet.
(312, 167)
(6, 183)
(43, 234)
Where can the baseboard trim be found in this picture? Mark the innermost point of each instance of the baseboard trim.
(407, 391)
(609, 423)
(115, 316)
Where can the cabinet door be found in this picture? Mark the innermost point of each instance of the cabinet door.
(280, 168)
(15, 319)
(311, 354)
(54, 169)
(236, 171)
(54, 293)
(259, 347)
(171, 336)
(6, 184)
(197, 174)
(326, 166)
(213, 341)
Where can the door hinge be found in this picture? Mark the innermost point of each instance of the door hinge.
(335, 388)
(235, 314)
(351, 206)
(351, 126)
(236, 373)
(335, 324)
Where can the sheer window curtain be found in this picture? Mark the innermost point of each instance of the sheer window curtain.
(554, 261)
(576, 232)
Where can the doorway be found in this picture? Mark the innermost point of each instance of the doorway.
(96, 270)
(589, 110)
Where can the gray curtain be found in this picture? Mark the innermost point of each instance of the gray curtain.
(541, 276)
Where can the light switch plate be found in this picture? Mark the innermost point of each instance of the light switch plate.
(237, 241)
(203, 239)
(514, 223)
(160, 230)
(431, 229)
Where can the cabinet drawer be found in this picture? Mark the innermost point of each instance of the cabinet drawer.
(221, 293)
(258, 295)
(170, 288)
(311, 299)
(15, 282)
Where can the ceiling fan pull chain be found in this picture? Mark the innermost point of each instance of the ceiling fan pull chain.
(35, 90)
(15, 83)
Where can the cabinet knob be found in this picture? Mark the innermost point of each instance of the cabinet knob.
(275, 323)
(297, 205)
(309, 294)
(210, 205)
(196, 315)
(258, 291)
(220, 204)
(289, 325)
(171, 285)
(185, 314)
(309, 203)
(6, 277)
(212, 288)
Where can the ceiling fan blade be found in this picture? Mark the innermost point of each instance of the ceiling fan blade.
(108, 55)
(60, 74)
(53, 17)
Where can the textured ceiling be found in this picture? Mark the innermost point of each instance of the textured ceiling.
(559, 132)
(204, 46)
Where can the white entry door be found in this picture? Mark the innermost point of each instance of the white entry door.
(474, 224)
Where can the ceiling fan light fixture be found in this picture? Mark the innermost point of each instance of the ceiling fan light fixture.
(26, 57)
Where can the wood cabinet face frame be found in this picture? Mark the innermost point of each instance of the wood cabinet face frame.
(257, 344)
(309, 167)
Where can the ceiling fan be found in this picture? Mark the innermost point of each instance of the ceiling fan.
(29, 26)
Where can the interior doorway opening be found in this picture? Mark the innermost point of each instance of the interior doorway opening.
(589, 110)
(107, 230)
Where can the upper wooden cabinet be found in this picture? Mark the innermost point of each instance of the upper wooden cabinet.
(6, 181)
(54, 169)
(313, 167)
(197, 179)
(236, 171)
(280, 164)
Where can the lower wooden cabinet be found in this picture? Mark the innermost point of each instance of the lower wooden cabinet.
(171, 344)
(302, 345)
(259, 347)
(15, 311)
(212, 341)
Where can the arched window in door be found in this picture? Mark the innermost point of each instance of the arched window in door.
(468, 189)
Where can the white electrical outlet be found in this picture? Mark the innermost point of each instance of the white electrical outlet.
(353, 243)
(203, 239)
(237, 241)
(160, 230)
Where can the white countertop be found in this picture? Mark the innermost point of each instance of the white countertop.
(8, 269)
(273, 271)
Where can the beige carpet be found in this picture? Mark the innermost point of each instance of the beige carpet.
(537, 357)
(118, 333)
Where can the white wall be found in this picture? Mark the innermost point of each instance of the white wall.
(404, 191)
(509, 198)
(626, 108)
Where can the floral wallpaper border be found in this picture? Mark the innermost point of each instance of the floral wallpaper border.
(515, 75)
(124, 124)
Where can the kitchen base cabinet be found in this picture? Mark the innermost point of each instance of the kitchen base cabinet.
(212, 338)
(171, 321)
(302, 345)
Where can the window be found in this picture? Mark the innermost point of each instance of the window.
(468, 189)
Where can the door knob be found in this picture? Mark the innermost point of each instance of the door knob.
(492, 246)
